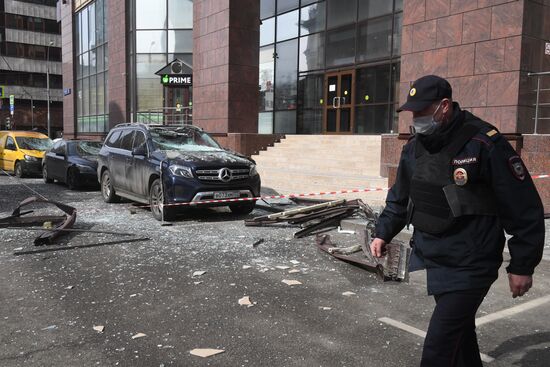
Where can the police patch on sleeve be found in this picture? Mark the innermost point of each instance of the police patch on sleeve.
(460, 176)
(517, 167)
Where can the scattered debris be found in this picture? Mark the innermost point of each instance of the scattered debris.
(198, 273)
(325, 308)
(291, 282)
(65, 248)
(70, 287)
(133, 295)
(17, 219)
(197, 283)
(245, 301)
(282, 267)
(204, 353)
(246, 267)
(348, 293)
(295, 262)
(99, 328)
(51, 327)
(293, 271)
(139, 335)
(47, 225)
(260, 241)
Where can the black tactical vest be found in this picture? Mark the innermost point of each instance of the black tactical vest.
(435, 200)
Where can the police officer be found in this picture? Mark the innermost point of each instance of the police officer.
(461, 185)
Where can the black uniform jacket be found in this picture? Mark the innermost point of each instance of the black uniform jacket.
(469, 254)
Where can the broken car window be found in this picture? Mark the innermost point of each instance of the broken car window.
(183, 140)
(33, 143)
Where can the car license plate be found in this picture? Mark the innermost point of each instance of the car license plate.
(227, 195)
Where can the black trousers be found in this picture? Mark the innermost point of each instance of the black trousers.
(451, 340)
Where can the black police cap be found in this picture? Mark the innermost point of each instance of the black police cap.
(425, 91)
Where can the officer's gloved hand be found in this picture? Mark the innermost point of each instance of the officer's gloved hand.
(378, 247)
(519, 284)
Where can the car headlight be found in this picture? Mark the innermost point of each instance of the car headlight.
(30, 158)
(181, 171)
(83, 168)
(253, 171)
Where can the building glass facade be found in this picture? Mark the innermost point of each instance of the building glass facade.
(329, 66)
(161, 31)
(91, 68)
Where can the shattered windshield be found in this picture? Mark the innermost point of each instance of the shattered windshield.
(25, 142)
(183, 139)
(85, 148)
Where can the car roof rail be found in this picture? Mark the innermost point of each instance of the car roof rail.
(137, 124)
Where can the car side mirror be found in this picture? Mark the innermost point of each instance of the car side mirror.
(141, 150)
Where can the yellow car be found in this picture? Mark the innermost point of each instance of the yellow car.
(22, 152)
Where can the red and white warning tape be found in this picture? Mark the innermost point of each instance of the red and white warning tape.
(289, 196)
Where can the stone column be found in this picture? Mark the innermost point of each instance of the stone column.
(117, 43)
(226, 65)
(67, 59)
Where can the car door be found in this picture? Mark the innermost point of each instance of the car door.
(56, 161)
(120, 153)
(2, 144)
(136, 167)
(9, 154)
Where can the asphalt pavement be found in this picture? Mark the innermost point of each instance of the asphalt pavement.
(181, 285)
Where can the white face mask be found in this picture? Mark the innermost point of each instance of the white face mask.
(426, 125)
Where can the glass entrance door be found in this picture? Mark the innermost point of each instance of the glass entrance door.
(178, 103)
(339, 97)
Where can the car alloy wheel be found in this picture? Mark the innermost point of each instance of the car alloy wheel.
(156, 199)
(19, 170)
(107, 190)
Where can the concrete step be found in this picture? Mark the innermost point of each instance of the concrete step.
(321, 163)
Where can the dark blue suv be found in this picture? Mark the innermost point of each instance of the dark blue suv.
(163, 164)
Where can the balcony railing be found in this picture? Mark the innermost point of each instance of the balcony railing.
(538, 104)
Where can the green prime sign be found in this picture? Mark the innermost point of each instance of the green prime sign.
(176, 80)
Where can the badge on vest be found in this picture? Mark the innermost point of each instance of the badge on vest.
(517, 167)
(460, 176)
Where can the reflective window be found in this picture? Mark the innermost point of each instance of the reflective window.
(312, 18)
(372, 119)
(150, 93)
(91, 65)
(267, 31)
(148, 65)
(374, 8)
(340, 46)
(180, 41)
(398, 5)
(285, 5)
(375, 39)
(397, 31)
(285, 75)
(180, 13)
(312, 52)
(139, 139)
(287, 26)
(91, 25)
(150, 14)
(310, 122)
(267, 8)
(285, 122)
(151, 42)
(126, 139)
(372, 85)
(341, 12)
(265, 123)
(306, 2)
(267, 70)
(84, 32)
